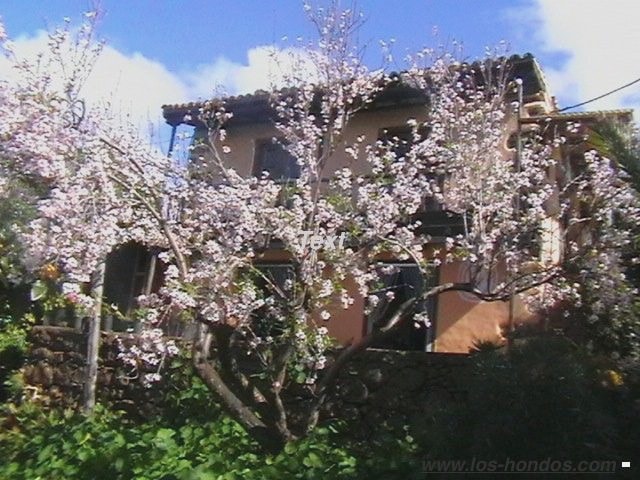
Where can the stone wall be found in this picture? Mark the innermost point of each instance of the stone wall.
(385, 384)
(55, 366)
(377, 386)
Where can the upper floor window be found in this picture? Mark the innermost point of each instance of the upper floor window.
(401, 137)
(272, 157)
(401, 140)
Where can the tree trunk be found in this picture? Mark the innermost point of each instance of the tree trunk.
(93, 340)
(268, 436)
(269, 439)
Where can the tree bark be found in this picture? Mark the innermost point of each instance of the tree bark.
(269, 438)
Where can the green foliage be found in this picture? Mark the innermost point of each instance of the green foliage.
(618, 142)
(389, 453)
(17, 209)
(13, 347)
(191, 439)
(330, 450)
(188, 398)
(605, 322)
(68, 445)
(616, 331)
(13, 334)
(48, 294)
(540, 399)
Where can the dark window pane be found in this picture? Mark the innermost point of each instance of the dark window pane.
(127, 271)
(273, 158)
(402, 139)
(270, 321)
(405, 282)
(277, 274)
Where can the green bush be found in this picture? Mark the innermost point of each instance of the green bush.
(187, 398)
(330, 452)
(52, 445)
(13, 347)
(541, 398)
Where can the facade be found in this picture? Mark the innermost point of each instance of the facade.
(458, 319)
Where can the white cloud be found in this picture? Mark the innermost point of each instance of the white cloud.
(600, 44)
(266, 67)
(136, 86)
(211, 79)
(133, 85)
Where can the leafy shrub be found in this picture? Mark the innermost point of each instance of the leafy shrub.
(39, 444)
(187, 398)
(13, 347)
(614, 332)
(540, 399)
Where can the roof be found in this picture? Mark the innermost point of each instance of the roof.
(622, 115)
(255, 107)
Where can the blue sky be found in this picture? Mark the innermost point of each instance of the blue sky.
(166, 51)
(182, 34)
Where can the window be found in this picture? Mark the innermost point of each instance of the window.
(130, 271)
(406, 282)
(198, 144)
(268, 320)
(272, 157)
(403, 136)
(403, 140)
(279, 274)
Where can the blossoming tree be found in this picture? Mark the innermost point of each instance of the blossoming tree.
(211, 224)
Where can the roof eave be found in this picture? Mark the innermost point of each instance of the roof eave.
(255, 108)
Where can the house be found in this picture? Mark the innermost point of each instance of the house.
(458, 319)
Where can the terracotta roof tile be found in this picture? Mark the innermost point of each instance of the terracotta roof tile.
(174, 113)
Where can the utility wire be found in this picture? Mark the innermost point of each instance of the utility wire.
(600, 96)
